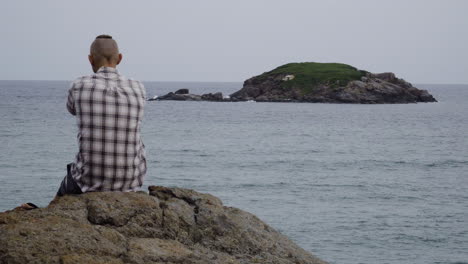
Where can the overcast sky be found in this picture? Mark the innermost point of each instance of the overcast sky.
(422, 41)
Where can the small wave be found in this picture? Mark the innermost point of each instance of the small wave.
(250, 166)
(447, 163)
(186, 180)
(248, 185)
(273, 162)
(189, 150)
(408, 198)
(406, 237)
(8, 135)
(394, 164)
(456, 262)
(184, 165)
(338, 185)
(205, 155)
(178, 151)
(8, 166)
(258, 185)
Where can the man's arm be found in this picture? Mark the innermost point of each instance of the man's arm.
(71, 101)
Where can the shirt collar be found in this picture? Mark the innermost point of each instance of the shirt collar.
(107, 70)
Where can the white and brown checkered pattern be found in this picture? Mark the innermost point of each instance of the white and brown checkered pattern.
(109, 109)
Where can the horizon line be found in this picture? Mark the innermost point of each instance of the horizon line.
(129, 78)
(416, 83)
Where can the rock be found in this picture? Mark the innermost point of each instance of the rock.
(179, 97)
(263, 98)
(386, 76)
(182, 91)
(329, 83)
(212, 97)
(170, 225)
(184, 95)
(154, 98)
(288, 77)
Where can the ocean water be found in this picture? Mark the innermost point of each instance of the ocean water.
(350, 183)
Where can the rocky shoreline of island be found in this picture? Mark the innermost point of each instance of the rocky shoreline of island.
(312, 82)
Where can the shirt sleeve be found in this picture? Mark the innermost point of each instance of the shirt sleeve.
(71, 101)
(143, 90)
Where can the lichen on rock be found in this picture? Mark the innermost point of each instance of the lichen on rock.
(170, 225)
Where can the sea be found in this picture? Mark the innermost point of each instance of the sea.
(349, 183)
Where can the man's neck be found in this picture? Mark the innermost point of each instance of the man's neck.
(111, 65)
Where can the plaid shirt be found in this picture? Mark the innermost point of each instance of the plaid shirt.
(109, 109)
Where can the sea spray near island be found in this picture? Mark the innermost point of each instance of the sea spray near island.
(351, 183)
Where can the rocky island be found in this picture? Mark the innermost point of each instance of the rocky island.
(184, 95)
(319, 83)
(168, 225)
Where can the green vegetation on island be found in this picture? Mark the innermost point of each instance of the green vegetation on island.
(307, 75)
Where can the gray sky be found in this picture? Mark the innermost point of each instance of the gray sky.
(423, 41)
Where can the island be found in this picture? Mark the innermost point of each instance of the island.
(166, 225)
(316, 82)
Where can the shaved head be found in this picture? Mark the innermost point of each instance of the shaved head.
(104, 52)
(105, 48)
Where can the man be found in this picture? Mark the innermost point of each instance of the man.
(109, 109)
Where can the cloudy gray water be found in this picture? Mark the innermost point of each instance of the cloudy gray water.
(350, 183)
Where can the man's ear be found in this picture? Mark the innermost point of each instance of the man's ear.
(120, 58)
(91, 59)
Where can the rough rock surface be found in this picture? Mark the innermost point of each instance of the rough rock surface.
(178, 97)
(370, 89)
(182, 91)
(170, 225)
(217, 97)
(185, 95)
